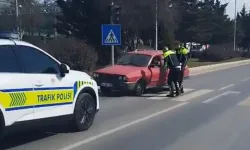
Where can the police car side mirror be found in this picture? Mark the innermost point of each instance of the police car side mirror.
(64, 69)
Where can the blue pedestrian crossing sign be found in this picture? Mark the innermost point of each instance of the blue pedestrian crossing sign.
(111, 34)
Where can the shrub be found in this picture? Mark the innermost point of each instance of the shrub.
(245, 54)
(74, 53)
(218, 53)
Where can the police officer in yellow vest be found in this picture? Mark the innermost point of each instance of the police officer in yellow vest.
(171, 62)
(182, 55)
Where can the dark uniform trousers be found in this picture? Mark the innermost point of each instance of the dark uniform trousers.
(181, 76)
(174, 71)
(174, 77)
(182, 57)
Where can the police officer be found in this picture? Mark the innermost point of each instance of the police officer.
(182, 55)
(171, 62)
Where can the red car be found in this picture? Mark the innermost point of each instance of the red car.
(135, 71)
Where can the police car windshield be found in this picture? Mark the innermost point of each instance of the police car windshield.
(134, 60)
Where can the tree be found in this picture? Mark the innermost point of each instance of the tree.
(31, 17)
(81, 19)
(212, 25)
(222, 27)
(243, 24)
(188, 11)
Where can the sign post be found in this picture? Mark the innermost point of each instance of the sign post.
(111, 36)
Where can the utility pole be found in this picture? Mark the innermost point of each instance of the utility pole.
(156, 25)
(235, 23)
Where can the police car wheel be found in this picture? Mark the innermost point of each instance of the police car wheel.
(84, 112)
(1, 127)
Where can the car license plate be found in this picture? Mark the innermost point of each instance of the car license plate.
(106, 84)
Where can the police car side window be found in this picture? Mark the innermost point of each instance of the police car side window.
(35, 61)
(8, 61)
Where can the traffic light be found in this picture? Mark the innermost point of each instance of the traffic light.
(110, 9)
(117, 13)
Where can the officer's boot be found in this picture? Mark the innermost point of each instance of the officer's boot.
(171, 90)
(181, 88)
(177, 91)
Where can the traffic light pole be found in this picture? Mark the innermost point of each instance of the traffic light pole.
(112, 47)
(156, 25)
(17, 18)
(114, 18)
(235, 23)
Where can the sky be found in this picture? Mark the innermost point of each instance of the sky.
(230, 7)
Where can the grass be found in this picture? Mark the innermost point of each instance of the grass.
(195, 62)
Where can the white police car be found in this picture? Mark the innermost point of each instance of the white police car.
(35, 86)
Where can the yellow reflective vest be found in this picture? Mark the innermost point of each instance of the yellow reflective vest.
(167, 53)
(183, 51)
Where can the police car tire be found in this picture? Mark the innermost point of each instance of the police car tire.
(77, 125)
(1, 126)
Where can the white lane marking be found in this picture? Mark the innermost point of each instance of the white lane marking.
(163, 96)
(220, 95)
(245, 79)
(226, 87)
(192, 95)
(245, 102)
(90, 139)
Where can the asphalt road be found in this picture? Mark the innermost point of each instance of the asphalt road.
(212, 114)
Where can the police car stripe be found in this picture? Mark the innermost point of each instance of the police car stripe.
(36, 89)
(75, 89)
(49, 105)
(38, 106)
(17, 90)
(53, 88)
(78, 85)
(19, 108)
(25, 98)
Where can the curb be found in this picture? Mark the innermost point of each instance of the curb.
(215, 67)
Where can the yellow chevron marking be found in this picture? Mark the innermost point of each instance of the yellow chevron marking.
(17, 99)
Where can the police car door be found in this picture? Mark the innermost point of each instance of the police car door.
(16, 102)
(53, 94)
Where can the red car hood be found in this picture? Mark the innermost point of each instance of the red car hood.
(119, 69)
